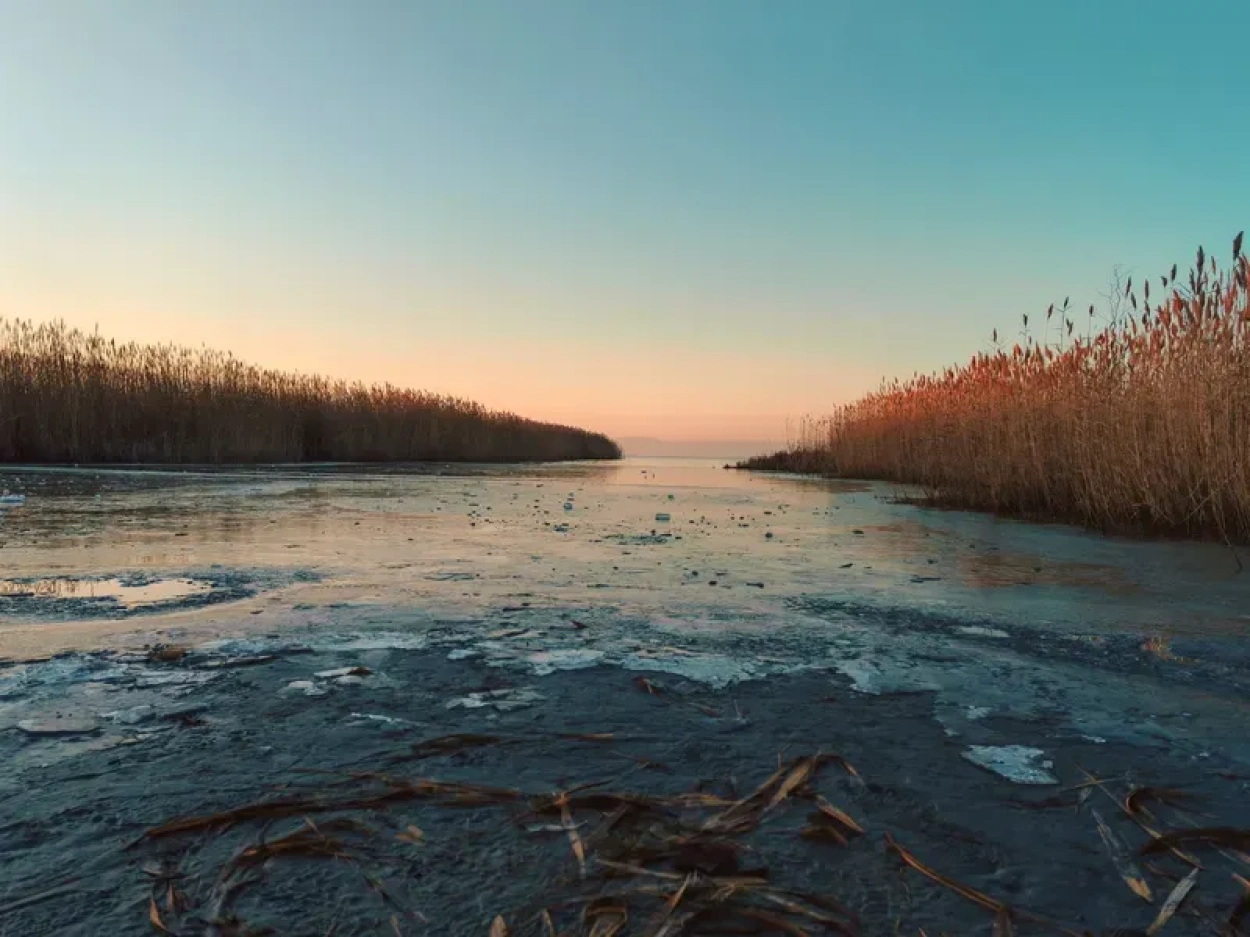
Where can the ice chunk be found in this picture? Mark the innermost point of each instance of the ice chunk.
(60, 725)
(713, 670)
(573, 658)
(981, 632)
(1018, 763)
(307, 687)
(344, 672)
(502, 700)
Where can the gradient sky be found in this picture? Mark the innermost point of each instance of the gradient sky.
(674, 218)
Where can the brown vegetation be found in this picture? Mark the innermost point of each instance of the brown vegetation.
(651, 864)
(67, 396)
(1141, 427)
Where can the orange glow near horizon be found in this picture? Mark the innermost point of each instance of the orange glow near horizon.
(623, 390)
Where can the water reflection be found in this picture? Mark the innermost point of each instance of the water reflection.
(997, 570)
(391, 532)
(130, 594)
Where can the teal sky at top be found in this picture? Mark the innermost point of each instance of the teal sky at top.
(632, 213)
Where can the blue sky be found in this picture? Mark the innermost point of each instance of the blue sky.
(688, 218)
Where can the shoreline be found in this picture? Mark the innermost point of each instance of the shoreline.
(941, 502)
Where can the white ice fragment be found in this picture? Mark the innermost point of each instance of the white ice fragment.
(307, 687)
(463, 653)
(713, 670)
(546, 663)
(980, 632)
(375, 717)
(148, 679)
(131, 716)
(376, 641)
(864, 675)
(977, 712)
(66, 725)
(502, 700)
(1018, 763)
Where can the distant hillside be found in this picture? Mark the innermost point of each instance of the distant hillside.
(66, 396)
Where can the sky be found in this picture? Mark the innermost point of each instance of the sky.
(678, 219)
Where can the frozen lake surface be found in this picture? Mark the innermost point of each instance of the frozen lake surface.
(665, 565)
(175, 641)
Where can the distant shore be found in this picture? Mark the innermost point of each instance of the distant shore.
(71, 397)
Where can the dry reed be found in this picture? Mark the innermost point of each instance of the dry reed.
(1142, 426)
(67, 396)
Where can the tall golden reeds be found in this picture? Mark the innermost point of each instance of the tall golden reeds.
(1141, 427)
(67, 396)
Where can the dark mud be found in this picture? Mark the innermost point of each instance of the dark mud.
(73, 860)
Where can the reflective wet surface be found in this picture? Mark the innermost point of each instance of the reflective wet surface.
(667, 565)
(125, 593)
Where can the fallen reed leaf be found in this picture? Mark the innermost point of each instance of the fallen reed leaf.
(821, 829)
(1241, 910)
(837, 815)
(1182, 889)
(1135, 802)
(746, 813)
(575, 840)
(1213, 836)
(964, 891)
(394, 790)
(413, 834)
(1121, 858)
(802, 771)
(498, 927)
(154, 918)
(606, 917)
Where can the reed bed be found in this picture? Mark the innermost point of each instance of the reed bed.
(1141, 425)
(67, 396)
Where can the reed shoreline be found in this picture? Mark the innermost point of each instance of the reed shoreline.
(1140, 427)
(70, 397)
